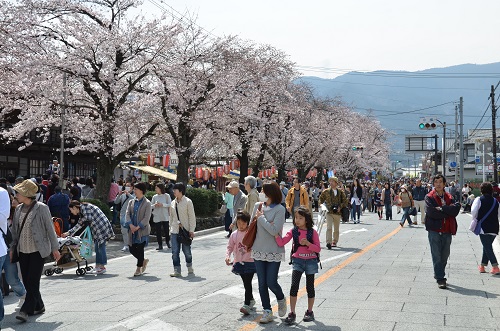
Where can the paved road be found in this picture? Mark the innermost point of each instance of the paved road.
(380, 278)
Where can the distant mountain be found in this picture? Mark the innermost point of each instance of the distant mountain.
(392, 93)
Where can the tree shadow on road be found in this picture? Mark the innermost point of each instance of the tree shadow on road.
(471, 292)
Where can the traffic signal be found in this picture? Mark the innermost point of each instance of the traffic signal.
(357, 148)
(427, 123)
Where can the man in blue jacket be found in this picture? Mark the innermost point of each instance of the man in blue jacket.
(59, 206)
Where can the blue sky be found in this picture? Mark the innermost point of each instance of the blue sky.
(360, 35)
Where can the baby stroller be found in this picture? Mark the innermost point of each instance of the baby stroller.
(69, 248)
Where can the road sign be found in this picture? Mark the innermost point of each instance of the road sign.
(453, 164)
(478, 159)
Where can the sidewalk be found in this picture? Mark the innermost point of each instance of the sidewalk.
(365, 284)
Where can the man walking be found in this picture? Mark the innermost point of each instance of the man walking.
(440, 223)
(419, 192)
(239, 200)
(335, 200)
(297, 196)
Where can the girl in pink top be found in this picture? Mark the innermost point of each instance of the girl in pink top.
(243, 263)
(305, 249)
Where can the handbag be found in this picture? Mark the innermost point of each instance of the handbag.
(13, 249)
(183, 236)
(249, 237)
(87, 247)
(412, 211)
(475, 225)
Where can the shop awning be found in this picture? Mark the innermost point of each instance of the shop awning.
(156, 171)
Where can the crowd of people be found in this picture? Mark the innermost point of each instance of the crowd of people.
(265, 202)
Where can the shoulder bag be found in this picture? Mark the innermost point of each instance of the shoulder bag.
(475, 225)
(13, 249)
(183, 237)
(249, 237)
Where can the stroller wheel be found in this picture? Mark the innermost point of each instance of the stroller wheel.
(80, 272)
(89, 268)
(58, 270)
(48, 272)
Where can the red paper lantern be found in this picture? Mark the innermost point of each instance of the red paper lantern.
(199, 172)
(315, 172)
(309, 174)
(214, 173)
(273, 170)
(260, 174)
(289, 173)
(151, 159)
(220, 171)
(206, 174)
(237, 163)
(166, 160)
(249, 172)
(232, 165)
(226, 169)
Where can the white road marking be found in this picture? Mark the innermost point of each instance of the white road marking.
(356, 230)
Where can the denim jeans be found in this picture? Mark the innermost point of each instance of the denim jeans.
(488, 253)
(12, 277)
(2, 311)
(406, 215)
(100, 254)
(355, 210)
(267, 275)
(440, 251)
(176, 248)
(388, 211)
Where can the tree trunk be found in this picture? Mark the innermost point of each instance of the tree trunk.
(243, 164)
(183, 167)
(281, 174)
(105, 172)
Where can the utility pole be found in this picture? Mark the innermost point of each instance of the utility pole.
(443, 154)
(435, 154)
(63, 127)
(494, 129)
(455, 146)
(461, 147)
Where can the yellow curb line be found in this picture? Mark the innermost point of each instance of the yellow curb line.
(252, 325)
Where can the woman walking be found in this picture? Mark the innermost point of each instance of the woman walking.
(182, 210)
(407, 204)
(34, 239)
(355, 198)
(266, 252)
(486, 207)
(121, 203)
(161, 215)
(138, 215)
(387, 197)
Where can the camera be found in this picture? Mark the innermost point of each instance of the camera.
(334, 208)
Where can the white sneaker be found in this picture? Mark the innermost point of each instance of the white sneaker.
(282, 307)
(190, 271)
(125, 249)
(252, 304)
(267, 316)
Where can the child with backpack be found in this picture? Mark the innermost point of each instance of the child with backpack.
(305, 258)
(243, 263)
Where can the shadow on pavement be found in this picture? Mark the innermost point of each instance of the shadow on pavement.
(145, 277)
(39, 326)
(466, 291)
(193, 279)
(345, 249)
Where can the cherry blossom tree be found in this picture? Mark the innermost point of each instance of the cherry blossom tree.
(107, 58)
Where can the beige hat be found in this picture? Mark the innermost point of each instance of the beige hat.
(282, 183)
(27, 188)
(233, 184)
(334, 179)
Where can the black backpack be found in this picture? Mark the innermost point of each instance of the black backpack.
(296, 243)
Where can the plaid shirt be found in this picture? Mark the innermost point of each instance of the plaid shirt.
(99, 224)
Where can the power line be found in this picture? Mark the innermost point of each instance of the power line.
(417, 110)
(399, 74)
(397, 86)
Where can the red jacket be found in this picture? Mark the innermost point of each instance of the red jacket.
(441, 220)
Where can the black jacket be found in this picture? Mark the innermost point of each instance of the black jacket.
(490, 224)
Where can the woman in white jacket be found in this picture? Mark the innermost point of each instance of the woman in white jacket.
(161, 214)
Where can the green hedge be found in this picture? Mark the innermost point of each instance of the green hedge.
(102, 206)
(206, 202)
